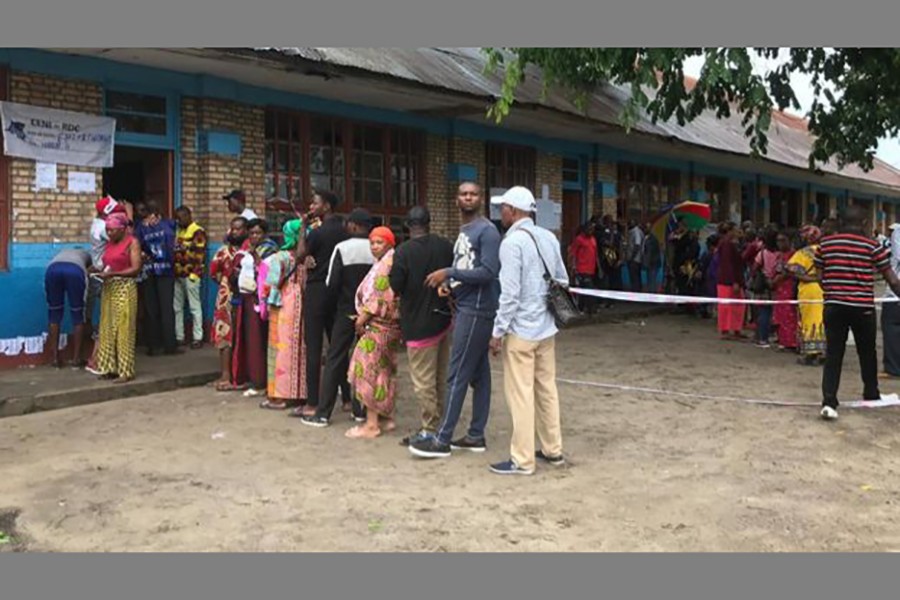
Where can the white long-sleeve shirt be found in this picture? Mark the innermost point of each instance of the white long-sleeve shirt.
(523, 308)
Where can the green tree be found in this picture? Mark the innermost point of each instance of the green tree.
(856, 90)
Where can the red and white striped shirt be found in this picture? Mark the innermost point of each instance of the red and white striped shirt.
(848, 264)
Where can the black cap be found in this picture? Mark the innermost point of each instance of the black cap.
(418, 216)
(360, 216)
(238, 195)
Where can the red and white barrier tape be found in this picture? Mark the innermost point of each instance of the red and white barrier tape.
(671, 299)
(886, 399)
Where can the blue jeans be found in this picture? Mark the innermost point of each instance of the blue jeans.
(469, 366)
(763, 323)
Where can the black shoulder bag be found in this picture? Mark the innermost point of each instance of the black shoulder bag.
(559, 300)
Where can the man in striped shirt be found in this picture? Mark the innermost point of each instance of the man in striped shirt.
(848, 262)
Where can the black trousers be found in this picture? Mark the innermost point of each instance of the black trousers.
(159, 306)
(890, 331)
(838, 321)
(337, 362)
(318, 320)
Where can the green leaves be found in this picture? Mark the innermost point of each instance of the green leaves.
(856, 90)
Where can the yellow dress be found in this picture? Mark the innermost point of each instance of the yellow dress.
(812, 322)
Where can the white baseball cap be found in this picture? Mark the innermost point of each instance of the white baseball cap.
(517, 197)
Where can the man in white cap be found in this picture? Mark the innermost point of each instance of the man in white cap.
(525, 332)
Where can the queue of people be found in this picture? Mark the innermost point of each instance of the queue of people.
(344, 280)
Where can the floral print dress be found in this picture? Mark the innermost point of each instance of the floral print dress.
(373, 367)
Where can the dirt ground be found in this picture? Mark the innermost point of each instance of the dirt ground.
(199, 471)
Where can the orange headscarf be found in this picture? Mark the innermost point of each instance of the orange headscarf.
(385, 234)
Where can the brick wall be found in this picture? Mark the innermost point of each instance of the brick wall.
(207, 177)
(441, 195)
(549, 173)
(47, 216)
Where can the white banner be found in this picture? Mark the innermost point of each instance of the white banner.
(57, 136)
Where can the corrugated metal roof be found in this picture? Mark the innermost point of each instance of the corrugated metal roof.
(461, 70)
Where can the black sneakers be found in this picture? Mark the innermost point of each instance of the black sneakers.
(429, 448)
(314, 421)
(467, 443)
(556, 461)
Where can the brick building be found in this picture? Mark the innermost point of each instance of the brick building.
(386, 129)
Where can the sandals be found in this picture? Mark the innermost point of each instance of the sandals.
(227, 386)
(273, 405)
(302, 411)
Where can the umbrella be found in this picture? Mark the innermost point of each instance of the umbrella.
(696, 216)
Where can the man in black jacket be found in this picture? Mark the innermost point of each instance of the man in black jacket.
(424, 315)
(318, 313)
(350, 263)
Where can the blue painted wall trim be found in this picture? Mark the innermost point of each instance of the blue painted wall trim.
(572, 185)
(605, 189)
(26, 281)
(461, 172)
(225, 143)
(699, 196)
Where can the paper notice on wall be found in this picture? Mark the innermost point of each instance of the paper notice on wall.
(44, 176)
(82, 183)
(494, 209)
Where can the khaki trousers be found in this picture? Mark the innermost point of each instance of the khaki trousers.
(529, 383)
(428, 370)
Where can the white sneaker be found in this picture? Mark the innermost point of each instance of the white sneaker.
(828, 413)
(252, 393)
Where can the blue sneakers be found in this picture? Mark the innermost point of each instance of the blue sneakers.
(509, 467)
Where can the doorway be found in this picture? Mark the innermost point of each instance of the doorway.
(141, 174)
(571, 217)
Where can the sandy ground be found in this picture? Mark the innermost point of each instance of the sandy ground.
(199, 471)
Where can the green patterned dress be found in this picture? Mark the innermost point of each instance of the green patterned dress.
(373, 367)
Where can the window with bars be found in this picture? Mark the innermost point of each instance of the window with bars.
(371, 166)
(645, 190)
(508, 166)
(718, 197)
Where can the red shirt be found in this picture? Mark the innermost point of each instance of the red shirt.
(583, 250)
(731, 264)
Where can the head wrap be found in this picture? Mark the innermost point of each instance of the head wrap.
(117, 220)
(107, 205)
(291, 231)
(811, 234)
(385, 234)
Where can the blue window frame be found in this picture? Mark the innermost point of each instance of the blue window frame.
(145, 117)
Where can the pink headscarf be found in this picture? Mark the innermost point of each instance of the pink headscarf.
(117, 220)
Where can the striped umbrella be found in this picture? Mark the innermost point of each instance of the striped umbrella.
(696, 216)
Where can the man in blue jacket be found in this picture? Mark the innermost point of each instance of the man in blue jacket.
(474, 285)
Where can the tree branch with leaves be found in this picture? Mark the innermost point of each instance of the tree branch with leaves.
(856, 91)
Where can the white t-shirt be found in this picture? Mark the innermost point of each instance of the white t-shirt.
(98, 241)
(249, 214)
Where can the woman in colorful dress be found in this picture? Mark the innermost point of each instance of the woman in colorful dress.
(119, 301)
(784, 288)
(373, 367)
(812, 316)
(248, 363)
(221, 270)
(284, 294)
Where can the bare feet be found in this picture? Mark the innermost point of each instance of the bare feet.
(388, 425)
(123, 379)
(363, 432)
